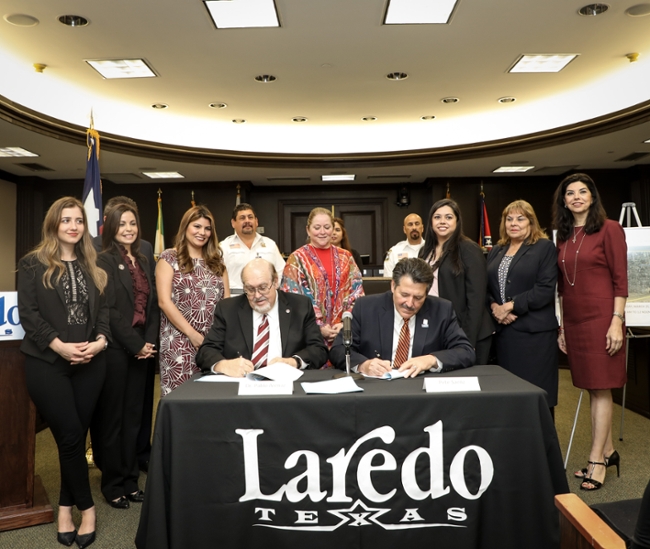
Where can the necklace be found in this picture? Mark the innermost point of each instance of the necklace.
(575, 264)
(575, 234)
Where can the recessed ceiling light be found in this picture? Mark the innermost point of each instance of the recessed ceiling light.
(639, 10)
(239, 121)
(122, 68)
(227, 14)
(410, 12)
(647, 141)
(73, 20)
(369, 118)
(507, 99)
(159, 106)
(15, 152)
(448, 100)
(338, 177)
(397, 76)
(542, 62)
(513, 169)
(218, 105)
(163, 175)
(265, 78)
(428, 117)
(593, 9)
(299, 119)
(21, 20)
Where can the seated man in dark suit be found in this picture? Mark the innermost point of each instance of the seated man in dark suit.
(405, 328)
(261, 327)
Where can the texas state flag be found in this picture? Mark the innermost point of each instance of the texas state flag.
(92, 194)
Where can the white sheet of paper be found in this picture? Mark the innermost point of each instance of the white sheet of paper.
(388, 376)
(219, 378)
(278, 371)
(249, 387)
(331, 387)
(451, 384)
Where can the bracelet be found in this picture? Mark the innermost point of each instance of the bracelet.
(560, 330)
(102, 336)
(619, 315)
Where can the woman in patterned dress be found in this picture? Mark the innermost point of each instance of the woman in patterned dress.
(326, 274)
(191, 278)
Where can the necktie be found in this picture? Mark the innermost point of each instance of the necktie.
(403, 344)
(261, 348)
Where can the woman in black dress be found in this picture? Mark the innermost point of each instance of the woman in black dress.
(65, 317)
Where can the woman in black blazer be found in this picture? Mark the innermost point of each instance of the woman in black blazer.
(63, 311)
(134, 319)
(522, 272)
(459, 274)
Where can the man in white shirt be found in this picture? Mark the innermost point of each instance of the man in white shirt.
(413, 229)
(246, 244)
(261, 327)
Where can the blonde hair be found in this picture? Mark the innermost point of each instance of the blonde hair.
(319, 211)
(523, 207)
(48, 251)
(211, 251)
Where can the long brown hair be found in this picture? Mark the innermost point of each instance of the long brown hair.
(48, 251)
(345, 241)
(112, 225)
(211, 251)
(563, 219)
(536, 232)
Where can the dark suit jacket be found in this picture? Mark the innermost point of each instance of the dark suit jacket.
(437, 333)
(530, 284)
(146, 249)
(467, 291)
(44, 315)
(119, 298)
(231, 334)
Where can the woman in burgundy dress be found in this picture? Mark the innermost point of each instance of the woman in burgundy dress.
(592, 284)
(191, 278)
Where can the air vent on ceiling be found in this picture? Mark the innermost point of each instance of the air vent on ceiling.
(288, 178)
(389, 176)
(35, 167)
(633, 157)
(121, 177)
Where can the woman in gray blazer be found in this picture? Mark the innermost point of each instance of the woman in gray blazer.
(459, 274)
(65, 318)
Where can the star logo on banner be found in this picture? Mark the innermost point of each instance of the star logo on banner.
(359, 514)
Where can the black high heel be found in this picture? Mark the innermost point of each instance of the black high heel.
(84, 540)
(595, 484)
(66, 538)
(614, 459)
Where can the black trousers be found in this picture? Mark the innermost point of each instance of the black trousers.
(144, 436)
(642, 532)
(120, 415)
(66, 395)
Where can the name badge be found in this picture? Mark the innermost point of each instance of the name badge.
(235, 246)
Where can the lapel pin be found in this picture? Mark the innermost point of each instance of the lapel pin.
(288, 311)
(121, 267)
(425, 322)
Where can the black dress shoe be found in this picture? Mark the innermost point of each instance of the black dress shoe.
(136, 497)
(66, 538)
(84, 540)
(120, 503)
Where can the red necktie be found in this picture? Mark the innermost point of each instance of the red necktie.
(402, 353)
(261, 349)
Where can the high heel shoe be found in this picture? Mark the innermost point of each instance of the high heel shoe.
(595, 484)
(84, 540)
(66, 538)
(614, 459)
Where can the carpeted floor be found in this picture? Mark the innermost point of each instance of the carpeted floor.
(116, 528)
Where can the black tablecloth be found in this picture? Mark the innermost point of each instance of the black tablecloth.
(392, 466)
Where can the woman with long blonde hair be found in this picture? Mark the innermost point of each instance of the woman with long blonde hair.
(63, 311)
(191, 278)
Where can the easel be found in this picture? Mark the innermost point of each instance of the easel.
(627, 209)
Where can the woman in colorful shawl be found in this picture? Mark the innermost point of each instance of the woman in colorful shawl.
(326, 274)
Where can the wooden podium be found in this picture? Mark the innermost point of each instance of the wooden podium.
(23, 501)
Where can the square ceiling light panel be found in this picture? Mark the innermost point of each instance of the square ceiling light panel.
(163, 175)
(15, 152)
(122, 68)
(542, 62)
(338, 177)
(513, 169)
(242, 14)
(419, 12)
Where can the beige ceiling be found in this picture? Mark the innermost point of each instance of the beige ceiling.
(330, 59)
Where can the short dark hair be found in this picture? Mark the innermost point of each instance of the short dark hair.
(418, 270)
(116, 200)
(240, 208)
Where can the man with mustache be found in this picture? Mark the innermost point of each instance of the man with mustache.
(405, 329)
(413, 229)
(246, 244)
(263, 326)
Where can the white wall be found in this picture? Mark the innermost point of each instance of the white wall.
(7, 236)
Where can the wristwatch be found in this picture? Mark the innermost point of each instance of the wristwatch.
(102, 336)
